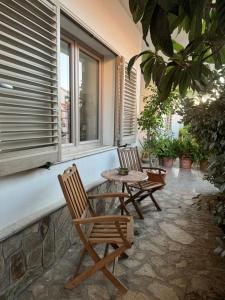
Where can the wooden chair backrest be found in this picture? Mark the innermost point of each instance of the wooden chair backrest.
(129, 158)
(74, 192)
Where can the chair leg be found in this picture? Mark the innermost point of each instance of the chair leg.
(137, 209)
(108, 259)
(123, 255)
(100, 265)
(82, 255)
(132, 199)
(155, 202)
(142, 197)
(106, 250)
(114, 266)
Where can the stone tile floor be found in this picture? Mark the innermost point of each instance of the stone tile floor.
(172, 257)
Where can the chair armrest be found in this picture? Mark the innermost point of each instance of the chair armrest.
(152, 168)
(102, 219)
(108, 195)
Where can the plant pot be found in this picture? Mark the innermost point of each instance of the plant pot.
(145, 157)
(167, 162)
(203, 165)
(185, 163)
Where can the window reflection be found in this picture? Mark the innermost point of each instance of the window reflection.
(65, 100)
(88, 97)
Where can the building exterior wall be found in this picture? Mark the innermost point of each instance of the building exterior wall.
(110, 21)
(35, 226)
(27, 196)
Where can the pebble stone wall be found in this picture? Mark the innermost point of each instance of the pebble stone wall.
(26, 255)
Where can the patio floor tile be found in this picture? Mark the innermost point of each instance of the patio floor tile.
(172, 257)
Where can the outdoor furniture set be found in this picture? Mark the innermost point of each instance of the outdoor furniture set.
(112, 230)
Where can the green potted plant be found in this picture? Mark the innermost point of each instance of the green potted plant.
(145, 151)
(186, 148)
(165, 150)
(187, 153)
(150, 120)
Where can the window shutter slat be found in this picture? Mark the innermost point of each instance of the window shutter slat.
(128, 107)
(28, 85)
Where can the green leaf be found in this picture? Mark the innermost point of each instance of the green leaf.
(196, 21)
(146, 19)
(147, 71)
(176, 21)
(220, 11)
(134, 58)
(184, 82)
(166, 83)
(137, 8)
(222, 55)
(144, 61)
(158, 71)
(169, 6)
(160, 32)
(186, 6)
(178, 47)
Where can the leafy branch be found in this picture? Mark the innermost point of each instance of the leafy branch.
(170, 65)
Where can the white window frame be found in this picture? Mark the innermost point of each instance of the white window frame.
(76, 145)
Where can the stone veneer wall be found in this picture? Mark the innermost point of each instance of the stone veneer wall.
(29, 253)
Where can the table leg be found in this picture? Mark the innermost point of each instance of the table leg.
(132, 200)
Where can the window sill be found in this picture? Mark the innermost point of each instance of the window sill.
(80, 152)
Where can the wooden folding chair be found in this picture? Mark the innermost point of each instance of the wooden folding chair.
(129, 158)
(116, 231)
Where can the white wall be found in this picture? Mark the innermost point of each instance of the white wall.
(110, 21)
(27, 195)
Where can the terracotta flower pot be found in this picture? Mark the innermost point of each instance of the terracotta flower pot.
(167, 162)
(185, 163)
(203, 164)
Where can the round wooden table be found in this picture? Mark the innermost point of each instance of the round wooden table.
(133, 176)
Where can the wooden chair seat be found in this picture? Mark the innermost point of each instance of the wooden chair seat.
(147, 185)
(108, 233)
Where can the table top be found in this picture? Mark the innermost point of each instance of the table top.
(133, 176)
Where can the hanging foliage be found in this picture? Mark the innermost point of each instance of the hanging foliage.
(171, 65)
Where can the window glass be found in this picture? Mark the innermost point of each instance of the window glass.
(88, 97)
(65, 99)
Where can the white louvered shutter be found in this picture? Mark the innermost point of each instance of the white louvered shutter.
(119, 95)
(28, 84)
(128, 128)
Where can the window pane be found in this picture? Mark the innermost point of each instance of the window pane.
(88, 97)
(65, 101)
